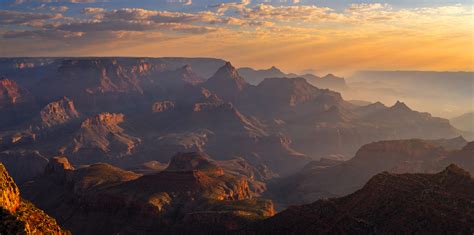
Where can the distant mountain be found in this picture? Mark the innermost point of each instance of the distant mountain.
(286, 96)
(19, 216)
(389, 86)
(408, 122)
(187, 75)
(359, 102)
(255, 77)
(329, 81)
(464, 122)
(27, 71)
(371, 108)
(461, 82)
(290, 106)
(388, 203)
(203, 67)
(192, 192)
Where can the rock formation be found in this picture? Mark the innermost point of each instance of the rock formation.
(58, 113)
(101, 135)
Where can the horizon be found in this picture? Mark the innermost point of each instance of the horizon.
(301, 72)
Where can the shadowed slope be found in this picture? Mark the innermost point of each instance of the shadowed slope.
(388, 203)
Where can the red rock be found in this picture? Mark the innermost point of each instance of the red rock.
(58, 113)
(163, 106)
(11, 93)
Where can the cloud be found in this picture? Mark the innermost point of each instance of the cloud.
(45, 7)
(224, 7)
(56, 1)
(182, 2)
(150, 16)
(456, 9)
(59, 8)
(364, 7)
(9, 17)
(42, 34)
(286, 13)
(92, 10)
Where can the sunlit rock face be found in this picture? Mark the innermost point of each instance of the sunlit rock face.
(10, 93)
(19, 216)
(58, 113)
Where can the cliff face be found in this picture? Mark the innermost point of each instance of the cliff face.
(18, 216)
(388, 203)
(11, 93)
(58, 113)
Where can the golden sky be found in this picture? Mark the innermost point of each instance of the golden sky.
(292, 37)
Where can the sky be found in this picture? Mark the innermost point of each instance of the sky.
(338, 36)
